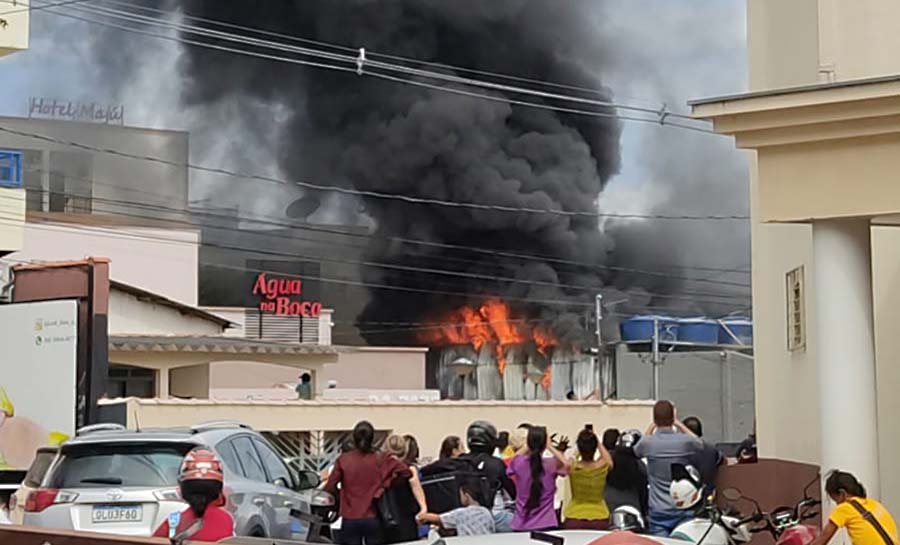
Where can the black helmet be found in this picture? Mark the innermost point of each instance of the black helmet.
(481, 436)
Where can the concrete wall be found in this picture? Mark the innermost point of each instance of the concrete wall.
(364, 367)
(190, 382)
(130, 316)
(161, 261)
(12, 218)
(804, 41)
(429, 422)
(14, 34)
(717, 390)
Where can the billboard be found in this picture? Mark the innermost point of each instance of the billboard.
(37, 378)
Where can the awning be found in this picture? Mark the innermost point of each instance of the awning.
(214, 345)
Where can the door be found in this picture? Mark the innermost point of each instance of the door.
(257, 490)
(282, 496)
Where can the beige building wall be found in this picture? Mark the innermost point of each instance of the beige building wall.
(15, 26)
(161, 261)
(130, 316)
(799, 42)
(429, 422)
(12, 218)
(190, 382)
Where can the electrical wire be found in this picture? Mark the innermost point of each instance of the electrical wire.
(660, 120)
(370, 53)
(353, 59)
(364, 193)
(43, 6)
(268, 222)
(406, 268)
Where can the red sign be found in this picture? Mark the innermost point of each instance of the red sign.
(280, 297)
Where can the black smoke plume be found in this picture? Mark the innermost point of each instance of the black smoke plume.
(369, 134)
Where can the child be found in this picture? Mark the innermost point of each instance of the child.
(472, 519)
(867, 521)
(200, 481)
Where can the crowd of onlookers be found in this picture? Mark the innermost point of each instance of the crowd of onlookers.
(512, 481)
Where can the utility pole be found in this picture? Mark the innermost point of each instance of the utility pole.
(601, 360)
(655, 359)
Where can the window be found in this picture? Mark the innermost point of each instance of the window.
(796, 314)
(10, 168)
(274, 464)
(229, 456)
(253, 467)
(105, 465)
(127, 381)
(38, 469)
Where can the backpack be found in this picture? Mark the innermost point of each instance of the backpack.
(442, 480)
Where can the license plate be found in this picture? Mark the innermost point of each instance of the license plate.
(103, 514)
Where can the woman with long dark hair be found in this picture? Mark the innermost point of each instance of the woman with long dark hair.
(363, 474)
(535, 478)
(627, 482)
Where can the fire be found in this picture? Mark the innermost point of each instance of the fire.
(492, 323)
(547, 381)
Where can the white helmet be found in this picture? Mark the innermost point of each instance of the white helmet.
(627, 518)
(686, 489)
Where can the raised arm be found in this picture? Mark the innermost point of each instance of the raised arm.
(605, 456)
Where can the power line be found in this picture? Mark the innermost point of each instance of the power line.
(366, 62)
(474, 249)
(363, 193)
(44, 6)
(420, 270)
(662, 114)
(370, 53)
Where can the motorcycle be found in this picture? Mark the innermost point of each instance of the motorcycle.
(785, 523)
(713, 526)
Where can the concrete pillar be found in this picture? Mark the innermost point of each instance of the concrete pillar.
(162, 383)
(845, 349)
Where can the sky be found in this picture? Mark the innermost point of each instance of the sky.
(667, 52)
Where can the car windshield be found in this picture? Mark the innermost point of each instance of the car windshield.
(104, 465)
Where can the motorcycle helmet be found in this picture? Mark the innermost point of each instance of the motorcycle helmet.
(686, 488)
(628, 439)
(201, 480)
(481, 436)
(627, 518)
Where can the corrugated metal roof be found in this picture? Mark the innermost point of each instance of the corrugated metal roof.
(224, 345)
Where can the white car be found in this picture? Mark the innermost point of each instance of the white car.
(43, 460)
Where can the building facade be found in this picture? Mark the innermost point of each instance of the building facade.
(821, 121)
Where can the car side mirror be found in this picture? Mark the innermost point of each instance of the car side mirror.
(307, 480)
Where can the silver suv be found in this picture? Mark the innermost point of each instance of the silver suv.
(112, 480)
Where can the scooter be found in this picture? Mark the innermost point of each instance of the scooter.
(785, 523)
(712, 526)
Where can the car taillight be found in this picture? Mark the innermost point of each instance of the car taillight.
(41, 499)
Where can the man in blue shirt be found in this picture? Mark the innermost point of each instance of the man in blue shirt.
(667, 442)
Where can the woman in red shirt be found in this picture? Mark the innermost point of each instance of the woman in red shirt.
(201, 480)
(362, 475)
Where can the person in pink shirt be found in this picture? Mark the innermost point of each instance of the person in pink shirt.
(535, 478)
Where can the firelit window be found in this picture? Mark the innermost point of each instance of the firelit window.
(10, 168)
(796, 315)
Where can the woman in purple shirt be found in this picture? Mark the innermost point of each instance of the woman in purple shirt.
(535, 478)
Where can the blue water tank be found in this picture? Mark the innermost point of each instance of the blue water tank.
(738, 326)
(698, 330)
(640, 329)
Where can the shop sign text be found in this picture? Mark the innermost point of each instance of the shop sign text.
(280, 297)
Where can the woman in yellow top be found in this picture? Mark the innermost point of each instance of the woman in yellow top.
(867, 522)
(587, 509)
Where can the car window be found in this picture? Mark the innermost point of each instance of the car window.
(38, 469)
(274, 465)
(253, 468)
(226, 452)
(102, 466)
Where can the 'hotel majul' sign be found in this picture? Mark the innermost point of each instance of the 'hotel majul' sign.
(281, 297)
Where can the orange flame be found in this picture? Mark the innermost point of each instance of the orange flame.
(491, 323)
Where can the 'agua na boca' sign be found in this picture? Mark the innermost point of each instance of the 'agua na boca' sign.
(280, 297)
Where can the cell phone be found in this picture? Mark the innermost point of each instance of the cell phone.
(589, 427)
